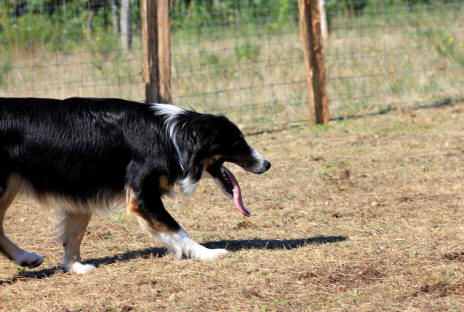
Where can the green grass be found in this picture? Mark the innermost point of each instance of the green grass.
(5, 67)
(251, 68)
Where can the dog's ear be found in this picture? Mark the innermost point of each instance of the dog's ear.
(199, 143)
(195, 135)
(189, 145)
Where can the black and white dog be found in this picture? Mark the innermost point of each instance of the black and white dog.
(81, 154)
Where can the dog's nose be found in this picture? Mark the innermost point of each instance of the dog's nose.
(267, 165)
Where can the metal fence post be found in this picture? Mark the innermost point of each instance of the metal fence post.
(126, 25)
(156, 33)
(310, 34)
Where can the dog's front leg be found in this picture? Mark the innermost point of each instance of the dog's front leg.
(148, 208)
(73, 227)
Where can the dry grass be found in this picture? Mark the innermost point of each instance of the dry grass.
(365, 215)
(257, 76)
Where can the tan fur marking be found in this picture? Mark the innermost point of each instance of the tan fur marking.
(164, 184)
(74, 226)
(6, 246)
(210, 160)
(7, 198)
(131, 203)
(147, 224)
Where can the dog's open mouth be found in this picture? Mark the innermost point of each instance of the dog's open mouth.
(229, 185)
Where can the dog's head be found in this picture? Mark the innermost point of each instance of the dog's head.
(204, 143)
(218, 140)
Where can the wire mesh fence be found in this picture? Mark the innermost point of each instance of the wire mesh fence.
(66, 48)
(242, 58)
(390, 54)
(246, 62)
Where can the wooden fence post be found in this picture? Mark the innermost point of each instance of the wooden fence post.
(156, 32)
(310, 34)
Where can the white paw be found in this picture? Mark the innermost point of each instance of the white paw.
(204, 253)
(79, 268)
(177, 252)
(180, 243)
(29, 259)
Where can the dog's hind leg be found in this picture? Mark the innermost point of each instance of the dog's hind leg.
(9, 187)
(73, 227)
(164, 228)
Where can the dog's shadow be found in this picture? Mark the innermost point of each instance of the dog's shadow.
(231, 245)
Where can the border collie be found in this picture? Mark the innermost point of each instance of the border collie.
(82, 154)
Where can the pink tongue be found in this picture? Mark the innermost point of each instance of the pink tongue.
(237, 193)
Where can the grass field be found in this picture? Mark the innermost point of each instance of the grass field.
(254, 71)
(363, 215)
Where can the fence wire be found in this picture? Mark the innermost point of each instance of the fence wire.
(242, 58)
(382, 55)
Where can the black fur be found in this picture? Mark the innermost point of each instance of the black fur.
(79, 148)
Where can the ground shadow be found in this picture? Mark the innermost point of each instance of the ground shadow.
(390, 108)
(271, 244)
(124, 257)
(436, 104)
(231, 245)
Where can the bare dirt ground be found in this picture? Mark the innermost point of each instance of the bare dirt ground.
(364, 215)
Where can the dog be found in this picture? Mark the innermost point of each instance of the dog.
(84, 154)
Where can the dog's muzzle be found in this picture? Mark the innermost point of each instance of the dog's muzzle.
(252, 162)
(255, 163)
